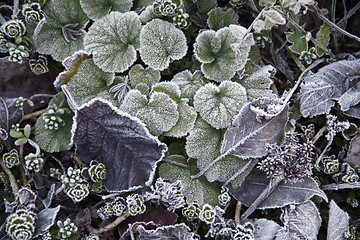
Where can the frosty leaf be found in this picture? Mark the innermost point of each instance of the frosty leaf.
(336, 81)
(219, 105)
(274, 17)
(161, 43)
(139, 75)
(251, 132)
(63, 17)
(353, 154)
(199, 190)
(219, 18)
(120, 142)
(9, 115)
(98, 8)
(45, 219)
(52, 140)
(258, 83)
(159, 113)
(169, 88)
(338, 222)
(89, 82)
(265, 229)
(354, 111)
(285, 193)
(113, 41)
(189, 83)
(198, 10)
(297, 40)
(177, 231)
(350, 98)
(186, 121)
(142, 3)
(323, 36)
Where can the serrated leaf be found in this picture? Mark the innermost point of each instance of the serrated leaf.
(297, 40)
(284, 194)
(122, 143)
(159, 113)
(51, 39)
(89, 82)
(58, 140)
(335, 81)
(98, 8)
(219, 105)
(170, 88)
(219, 18)
(139, 75)
(323, 36)
(199, 190)
(45, 219)
(338, 222)
(113, 41)
(161, 43)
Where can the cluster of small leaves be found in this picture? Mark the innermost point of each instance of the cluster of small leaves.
(53, 118)
(66, 229)
(74, 184)
(33, 162)
(116, 207)
(21, 225)
(11, 158)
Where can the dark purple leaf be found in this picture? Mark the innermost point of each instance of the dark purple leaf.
(45, 219)
(130, 153)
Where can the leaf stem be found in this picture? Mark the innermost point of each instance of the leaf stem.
(180, 165)
(237, 213)
(109, 226)
(78, 160)
(34, 144)
(13, 184)
(338, 186)
(15, 9)
(33, 114)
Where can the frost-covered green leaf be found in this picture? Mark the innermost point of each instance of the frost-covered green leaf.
(98, 8)
(161, 43)
(274, 17)
(218, 105)
(297, 39)
(89, 82)
(148, 14)
(139, 75)
(219, 18)
(323, 36)
(194, 189)
(113, 41)
(62, 34)
(170, 88)
(142, 3)
(159, 113)
(222, 53)
(52, 140)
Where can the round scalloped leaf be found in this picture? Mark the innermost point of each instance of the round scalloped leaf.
(98, 8)
(62, 16)
(161, 43)
(159, 113)
(169, 88)
(219, 18)
(219, 105)
(58, 140)
(113, 41)
(139, 75)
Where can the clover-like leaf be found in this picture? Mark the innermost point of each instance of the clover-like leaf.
(219, 105)
(199, 190)
(219, 18)
(159, 113)
(338, 222)
(97, 9)
(113, 41)
(161, 43)
(52, 139)
(62, 34)
(122, 143)
(139, 75)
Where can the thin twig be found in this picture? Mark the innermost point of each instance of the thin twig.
(319, 134)
(33, 114)
(109, 226)
(12, 179)
(333, 14)
(338, 186)
(237, 213)
(349, 14)
(180, 165)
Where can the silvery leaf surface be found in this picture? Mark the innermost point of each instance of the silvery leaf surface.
(177, 231)
(45, 219)
(219, 18)
(338, 222)
(147, 76)
(264, 229)
(98, 8)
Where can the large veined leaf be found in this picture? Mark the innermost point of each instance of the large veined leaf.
(161, 43)
(159, 113)
(113, 41)
(169, 88)
(219, 105)
(337, 81)
(338, 222)
(146, 77)
(199, 190)
(219, 18)
(62, 34)
(121, 142)
(52, 140)
(98, 8)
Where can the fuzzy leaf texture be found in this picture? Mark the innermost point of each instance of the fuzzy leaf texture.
(139, 75)
(338, 222)
(122, 143)
(97, 8)
(161, 43)
(297, 40)
(219, 18)
(169, 88)
(45, 219)
(337, 81)
(51, 39)
(265, 229)
(113, 41)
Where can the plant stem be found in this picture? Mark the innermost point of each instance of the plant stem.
(34, 144)
(319, 134)
(33, 114)
(180, 165)
(109, 226)
(334, 34)
(13, 184)
(237, 213)
(348, 15)
(78, 160)
(335, 186)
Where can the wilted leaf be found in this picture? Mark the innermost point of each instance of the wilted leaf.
(97, 8)
(161, 43)
(219, 18)
(219, 105)
(285, 193)
(336, 81)
(139, 75)
(338, 222)
(265, 229)
(354, 111)
(177, 231)
(121, 142)
(113, 41)
(45, 219)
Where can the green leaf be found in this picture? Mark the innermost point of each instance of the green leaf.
(161, 43)
(139, 75)
(98, 8)
(219, 18)
(51, 40)
(16, 134)
(159, 113)
(142, 3)
(323, 36)
(113, 41)
(297, 40)
(169, 88)
(89, 82)
(58, 140)
(274, 17)
(199, 189)
(219, 105)
(27, 130)
(20, 141)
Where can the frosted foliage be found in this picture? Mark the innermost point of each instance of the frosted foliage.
(113, 41)
(50, 39)
(350, 98)
(161, 43)
(139, 75)
(218, 18)
(98, 8)
(159, 113)
(169, 88)
(219, 105)
(189, 82)
(338, 222)
(148, 14)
